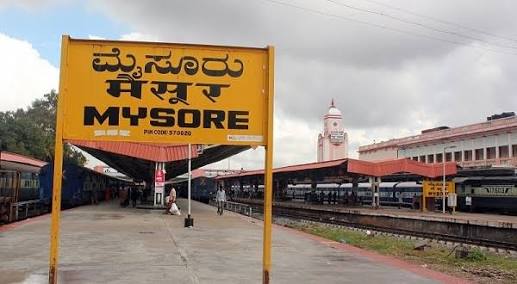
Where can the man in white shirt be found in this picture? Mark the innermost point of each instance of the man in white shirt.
(220, 198)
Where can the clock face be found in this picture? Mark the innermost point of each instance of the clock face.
(335, 124)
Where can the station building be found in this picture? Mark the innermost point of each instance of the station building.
(333, 142)
(485, 144)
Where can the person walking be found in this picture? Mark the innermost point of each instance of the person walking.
(220, 198)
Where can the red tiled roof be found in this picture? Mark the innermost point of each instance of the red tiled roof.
(384, 168)
(147, 151)
(17, 158)
(310, 166)
(293, 168)
(377, 169)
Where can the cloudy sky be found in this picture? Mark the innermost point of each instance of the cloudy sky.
(392, 67)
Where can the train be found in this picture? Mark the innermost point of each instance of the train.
(79, 186)
(26, 191)
(202, 188)
(474, 194)
(404, 194)
(19, 189)
(19, 186)
(487, 194)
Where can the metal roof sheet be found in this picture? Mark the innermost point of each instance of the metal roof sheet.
(21, 159)
(366, 168)
(146, 151)
(293, 168)
(385, 168)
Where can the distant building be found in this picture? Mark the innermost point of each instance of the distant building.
(489, 143)
(333, 142)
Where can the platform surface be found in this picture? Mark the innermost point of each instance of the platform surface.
(482, 219)
(109, 244)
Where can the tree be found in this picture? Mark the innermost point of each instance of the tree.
(31, 132)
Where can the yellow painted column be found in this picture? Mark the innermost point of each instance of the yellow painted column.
(424, 196)
(268, 173)
(58, 169)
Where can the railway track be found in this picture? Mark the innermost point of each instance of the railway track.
(341, 219)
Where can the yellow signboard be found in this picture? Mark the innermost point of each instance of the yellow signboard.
(434, 188)
(161, 92)
(164, 93)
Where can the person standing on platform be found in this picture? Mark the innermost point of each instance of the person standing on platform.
(134, 196)
(220, 198)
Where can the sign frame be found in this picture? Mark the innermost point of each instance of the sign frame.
(267, 142)
(430, 186)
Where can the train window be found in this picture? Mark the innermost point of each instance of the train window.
(439, 158)
(479, 154)
(503, 152)
(514, 150)
(430, 159)
(422, 159)
(448, 157)
(467, 155)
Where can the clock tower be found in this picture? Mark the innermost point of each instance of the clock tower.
(333, 142)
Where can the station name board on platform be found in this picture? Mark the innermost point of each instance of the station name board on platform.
(159, 92)
(434, 188)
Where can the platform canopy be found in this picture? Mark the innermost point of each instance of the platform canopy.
(137, 160)
(348, 170)
(13, 161)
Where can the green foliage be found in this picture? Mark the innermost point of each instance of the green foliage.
(31, 132)
(476, 255)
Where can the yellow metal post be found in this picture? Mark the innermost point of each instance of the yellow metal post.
(268, 173)
(58, 169)
(424, 197)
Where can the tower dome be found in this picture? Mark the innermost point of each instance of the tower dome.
(333, 110)
(333, 142)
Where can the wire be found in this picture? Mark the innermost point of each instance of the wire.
(420, 24)
(441, 21)
(460, 43)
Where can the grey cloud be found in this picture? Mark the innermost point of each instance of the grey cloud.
(386, 83)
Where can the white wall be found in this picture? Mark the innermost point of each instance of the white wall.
(479, 142)
(379, 155)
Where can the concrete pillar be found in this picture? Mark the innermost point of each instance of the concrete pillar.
(256, 188)
(283, 188)
(355, 187)
(276, 191)
(159, 186)
(510, 152)
(312, 194)
(375, 184)
(497, 147)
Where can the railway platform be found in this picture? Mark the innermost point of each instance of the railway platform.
(483, 230)
(109, 244)
(480, 219)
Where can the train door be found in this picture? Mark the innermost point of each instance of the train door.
(9, 187)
